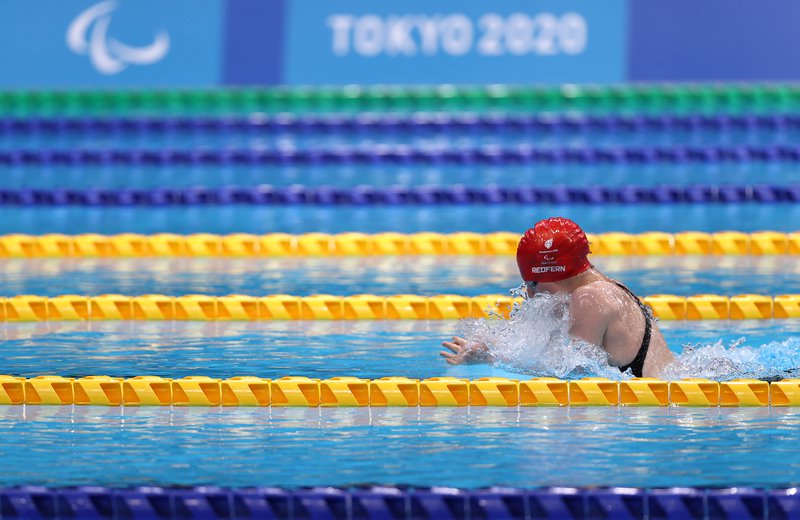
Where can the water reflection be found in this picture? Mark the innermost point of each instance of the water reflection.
(426, 275)
(464, 447)
(633, 218)
(314, 349)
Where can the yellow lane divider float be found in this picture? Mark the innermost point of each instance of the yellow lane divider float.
(392, 391)
(358, 244)
(359, 307)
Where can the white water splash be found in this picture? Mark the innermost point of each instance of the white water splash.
(773, 361)
(535, 341)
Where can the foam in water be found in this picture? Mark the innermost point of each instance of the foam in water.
(535, 341)
(772, 361)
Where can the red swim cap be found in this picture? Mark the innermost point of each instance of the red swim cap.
(553, 250)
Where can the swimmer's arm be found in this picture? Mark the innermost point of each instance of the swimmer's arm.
(589, 317)
(464, 352)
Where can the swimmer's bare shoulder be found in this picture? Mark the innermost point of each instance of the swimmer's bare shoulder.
(601, 313)
(591, 309)
(603, 296)
(598, 296)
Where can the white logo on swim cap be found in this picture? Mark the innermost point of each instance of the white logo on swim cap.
(107, 54)
(548, 243)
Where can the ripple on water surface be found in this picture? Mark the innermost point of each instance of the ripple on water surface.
(529, 447)
(328, 349)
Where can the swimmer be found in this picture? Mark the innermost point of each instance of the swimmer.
(553, 258)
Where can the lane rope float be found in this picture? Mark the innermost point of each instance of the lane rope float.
(401, 503)
(653, 97)
(129, 245)
(267, 195)
(393, 391)
(421, 122)
(404, 155)
(24, 308)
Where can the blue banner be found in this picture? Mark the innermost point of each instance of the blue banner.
(714, 40)
(131, 43)
(110, 42)
(455, 41)
(254, 42)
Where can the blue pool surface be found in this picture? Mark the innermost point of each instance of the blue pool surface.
(51, 177)
(343, 276)
(419, 138)
(633, 218)
(468, 447)
(326, 349)
(432, 446)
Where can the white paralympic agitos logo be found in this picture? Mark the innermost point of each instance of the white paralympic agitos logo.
(88, 34)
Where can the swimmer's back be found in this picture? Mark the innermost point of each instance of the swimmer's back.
(625, 325)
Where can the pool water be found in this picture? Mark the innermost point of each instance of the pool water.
(463, 447)
(389, 175)
(529, 447)
(321, 349)
(473, 447)
(629, 218)
(386, 275)
(414, 136)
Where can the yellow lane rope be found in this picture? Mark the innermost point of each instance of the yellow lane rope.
(358, 307)
(359, 244)
(392, 391)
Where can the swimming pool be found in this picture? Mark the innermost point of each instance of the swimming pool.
(382, 275)
(444, 219)
(318, 349)
(473, 447)
(333, 447)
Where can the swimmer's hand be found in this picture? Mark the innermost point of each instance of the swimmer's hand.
(463, 352)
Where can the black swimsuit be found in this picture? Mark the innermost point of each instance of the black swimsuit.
(637, 365)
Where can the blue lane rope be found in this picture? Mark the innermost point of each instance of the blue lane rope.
(404, 155)
(397, 195)
(389, 502)
(418, 122)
